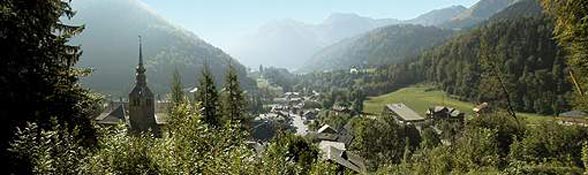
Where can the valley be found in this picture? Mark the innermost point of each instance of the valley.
(294, 87)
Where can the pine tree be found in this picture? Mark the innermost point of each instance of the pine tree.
(177, 95)
(358, 97)
(233, 105)
(207, 95)
(37, 75)
(570, 31)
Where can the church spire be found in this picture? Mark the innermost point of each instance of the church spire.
(140, 76)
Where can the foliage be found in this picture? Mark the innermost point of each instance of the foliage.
(207, 95)
(280, 77)
(54, 151)
(550, 142)
(506, 128)
(333, 119)
(177, 93)
(233, 99)
(528, 62)
(474, 153)
(571, 24)
(37, 75)
(430, 138)
(290, 154)
(383, 141)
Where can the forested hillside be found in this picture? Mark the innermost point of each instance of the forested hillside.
(515, 46)
(110, 47)
(519, 50)
(386, 45)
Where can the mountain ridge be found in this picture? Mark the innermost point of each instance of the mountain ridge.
(114, 55)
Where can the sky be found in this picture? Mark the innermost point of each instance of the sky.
(220, 21)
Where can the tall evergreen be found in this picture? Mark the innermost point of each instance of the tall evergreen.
(358, 97)
(233, 104)
(37, 75)
(207, 95)
(571, 25)
(177, 95)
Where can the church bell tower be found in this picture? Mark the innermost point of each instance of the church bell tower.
(142, 103)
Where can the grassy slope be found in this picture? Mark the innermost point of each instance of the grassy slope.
(421, 97)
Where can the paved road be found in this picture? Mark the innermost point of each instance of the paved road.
(298, 123)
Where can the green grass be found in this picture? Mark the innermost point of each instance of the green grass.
(421, 97)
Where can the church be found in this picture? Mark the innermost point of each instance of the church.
(141, 113)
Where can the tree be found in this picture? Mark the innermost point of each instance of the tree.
(177, 95)
(358, 97)
(571, 25)
(233, 103)
(37, 75)
(207, 95)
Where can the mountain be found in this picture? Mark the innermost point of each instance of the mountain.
(478, 13)
(110, 47)
(290, 43)
(437, 17)
(390, 44)
(519, 42)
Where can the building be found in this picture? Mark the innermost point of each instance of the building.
(481, 109)
(573, 118)
(403, 114)
(341, 109)
(343, 135)
(333, 145)
(139, 112)
(445, 113)
(343, 158)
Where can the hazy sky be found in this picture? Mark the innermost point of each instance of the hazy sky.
(220, 21)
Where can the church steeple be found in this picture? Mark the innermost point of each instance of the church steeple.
(141, 102)
(140, 76)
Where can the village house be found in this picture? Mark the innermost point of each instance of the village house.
(444, 113)
(340, 109)
(310, 114)
(333, 145)
(403, 114)
(575, 117)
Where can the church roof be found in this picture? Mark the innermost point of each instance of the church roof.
(112, 116)
(118, 113)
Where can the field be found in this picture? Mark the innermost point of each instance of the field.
(421, 97)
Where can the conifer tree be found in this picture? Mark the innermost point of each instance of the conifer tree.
(207, 95)
(177, 95)
(571, 24)
(37, 75)
(233, 104)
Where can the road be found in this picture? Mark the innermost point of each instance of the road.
(298, 123)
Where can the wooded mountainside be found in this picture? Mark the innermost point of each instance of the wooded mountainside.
(519, 41)
(111, 48)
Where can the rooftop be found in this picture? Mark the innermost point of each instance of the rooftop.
(404, 112)
(344, 158)
(574, 113)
